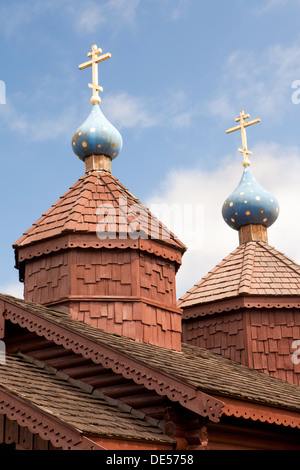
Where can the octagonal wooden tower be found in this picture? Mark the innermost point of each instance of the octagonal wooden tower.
(99, 254)
(248, 307)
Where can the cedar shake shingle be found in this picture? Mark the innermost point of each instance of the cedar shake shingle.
(76, 211)
(254, 268)
(86, 412)
(200, 368)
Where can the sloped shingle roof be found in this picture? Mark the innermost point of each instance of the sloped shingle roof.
(253, 269)
(193, 366)
(87, 413)
(76, 211)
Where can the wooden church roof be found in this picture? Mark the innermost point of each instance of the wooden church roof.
(79, 368)
(255, 272)
(48, 404)
(199, 380)
(76, 213)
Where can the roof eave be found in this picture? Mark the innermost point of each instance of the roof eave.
(238, 302)
(189, 396)
(260, 412)
(38, 421)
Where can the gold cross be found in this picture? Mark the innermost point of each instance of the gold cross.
(242, 127)
(95, 59)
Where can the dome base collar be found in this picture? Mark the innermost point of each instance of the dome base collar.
(253, 233)
(97, 162)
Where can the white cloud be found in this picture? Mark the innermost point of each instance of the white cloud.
(221, 107)
(173, 10)
(129, 111)
(15, 14)
(89, 15)
(84, 15)
(182, 120)
(16, 289)
(275, 167)
(179, 9)
(37, 128)
(270, 4)
(176, 110)
(260, 80)
(122, 109)
(126, 110)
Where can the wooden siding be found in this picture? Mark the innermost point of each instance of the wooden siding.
(126, 292)
(258, 338)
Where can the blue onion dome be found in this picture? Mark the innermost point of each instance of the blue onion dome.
(97, 136)
(249, 204)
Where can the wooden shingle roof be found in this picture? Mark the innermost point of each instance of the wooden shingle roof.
(72, 412)
(76, 211)
(192, 376)
(254, 269)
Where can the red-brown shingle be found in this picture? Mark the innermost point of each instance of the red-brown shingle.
(76, 211)
(254, 268)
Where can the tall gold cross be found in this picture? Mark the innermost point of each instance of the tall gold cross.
(242, 118)
(95, 59)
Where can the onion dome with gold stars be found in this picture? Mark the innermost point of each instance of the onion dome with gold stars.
(249, 203)
(96, 136)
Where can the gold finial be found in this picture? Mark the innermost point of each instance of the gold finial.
(242, 127)
(95, 59)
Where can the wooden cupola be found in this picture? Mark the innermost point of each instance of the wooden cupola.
(248, 307)
(98, 253)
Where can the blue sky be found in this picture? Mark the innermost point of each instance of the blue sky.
(180, 72)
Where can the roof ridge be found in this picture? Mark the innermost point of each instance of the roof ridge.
(122, 190)
(136, 200)
(257, 270)
(76, 211)
(77, 201)
(281, 256)
(247, 268)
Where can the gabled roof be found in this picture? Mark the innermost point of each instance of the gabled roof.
(76, 212)
(61, 412)
(254, 270)
(146, 366)
(199, 380)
